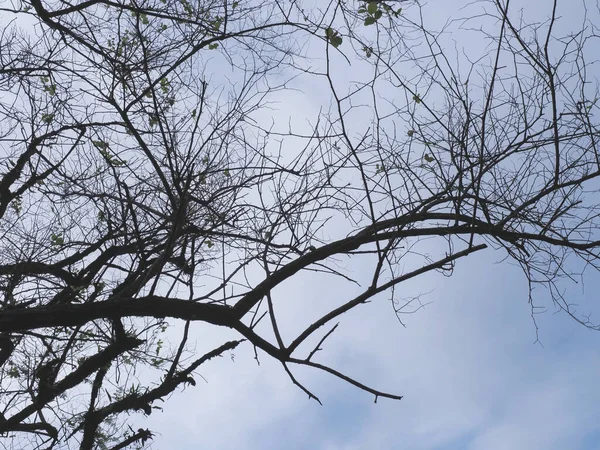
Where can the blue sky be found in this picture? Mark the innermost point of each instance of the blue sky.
(470, 367)
(475, 372)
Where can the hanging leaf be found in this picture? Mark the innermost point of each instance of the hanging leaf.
(164, 85)
(47, 118)
(100, 145)
(50, 89)
(57, 239)
(333, 37)
(216, 24)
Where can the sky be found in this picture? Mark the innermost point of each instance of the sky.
(468, 364)
(475, 370)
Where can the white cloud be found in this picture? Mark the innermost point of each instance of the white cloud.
(467, 365)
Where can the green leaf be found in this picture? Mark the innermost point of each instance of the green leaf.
(416, 98)
(164, 85)
(113, 161)
(187, 7)
(226, 173)
(209, 244)
(377, 15)
(100, 144)
(333, 37)
(369, 21)
(372, 7)
(57, 239)
(410, 133)
(427, 157)
(105, 154)
(213, 46)
(47, 118)
(336, 41)
(234, 5)
(217, 23)
(50, 89)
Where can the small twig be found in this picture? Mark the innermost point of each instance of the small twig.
(318, 346)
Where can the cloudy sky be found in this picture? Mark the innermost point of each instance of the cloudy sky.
(474, 371)
(468, 364)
